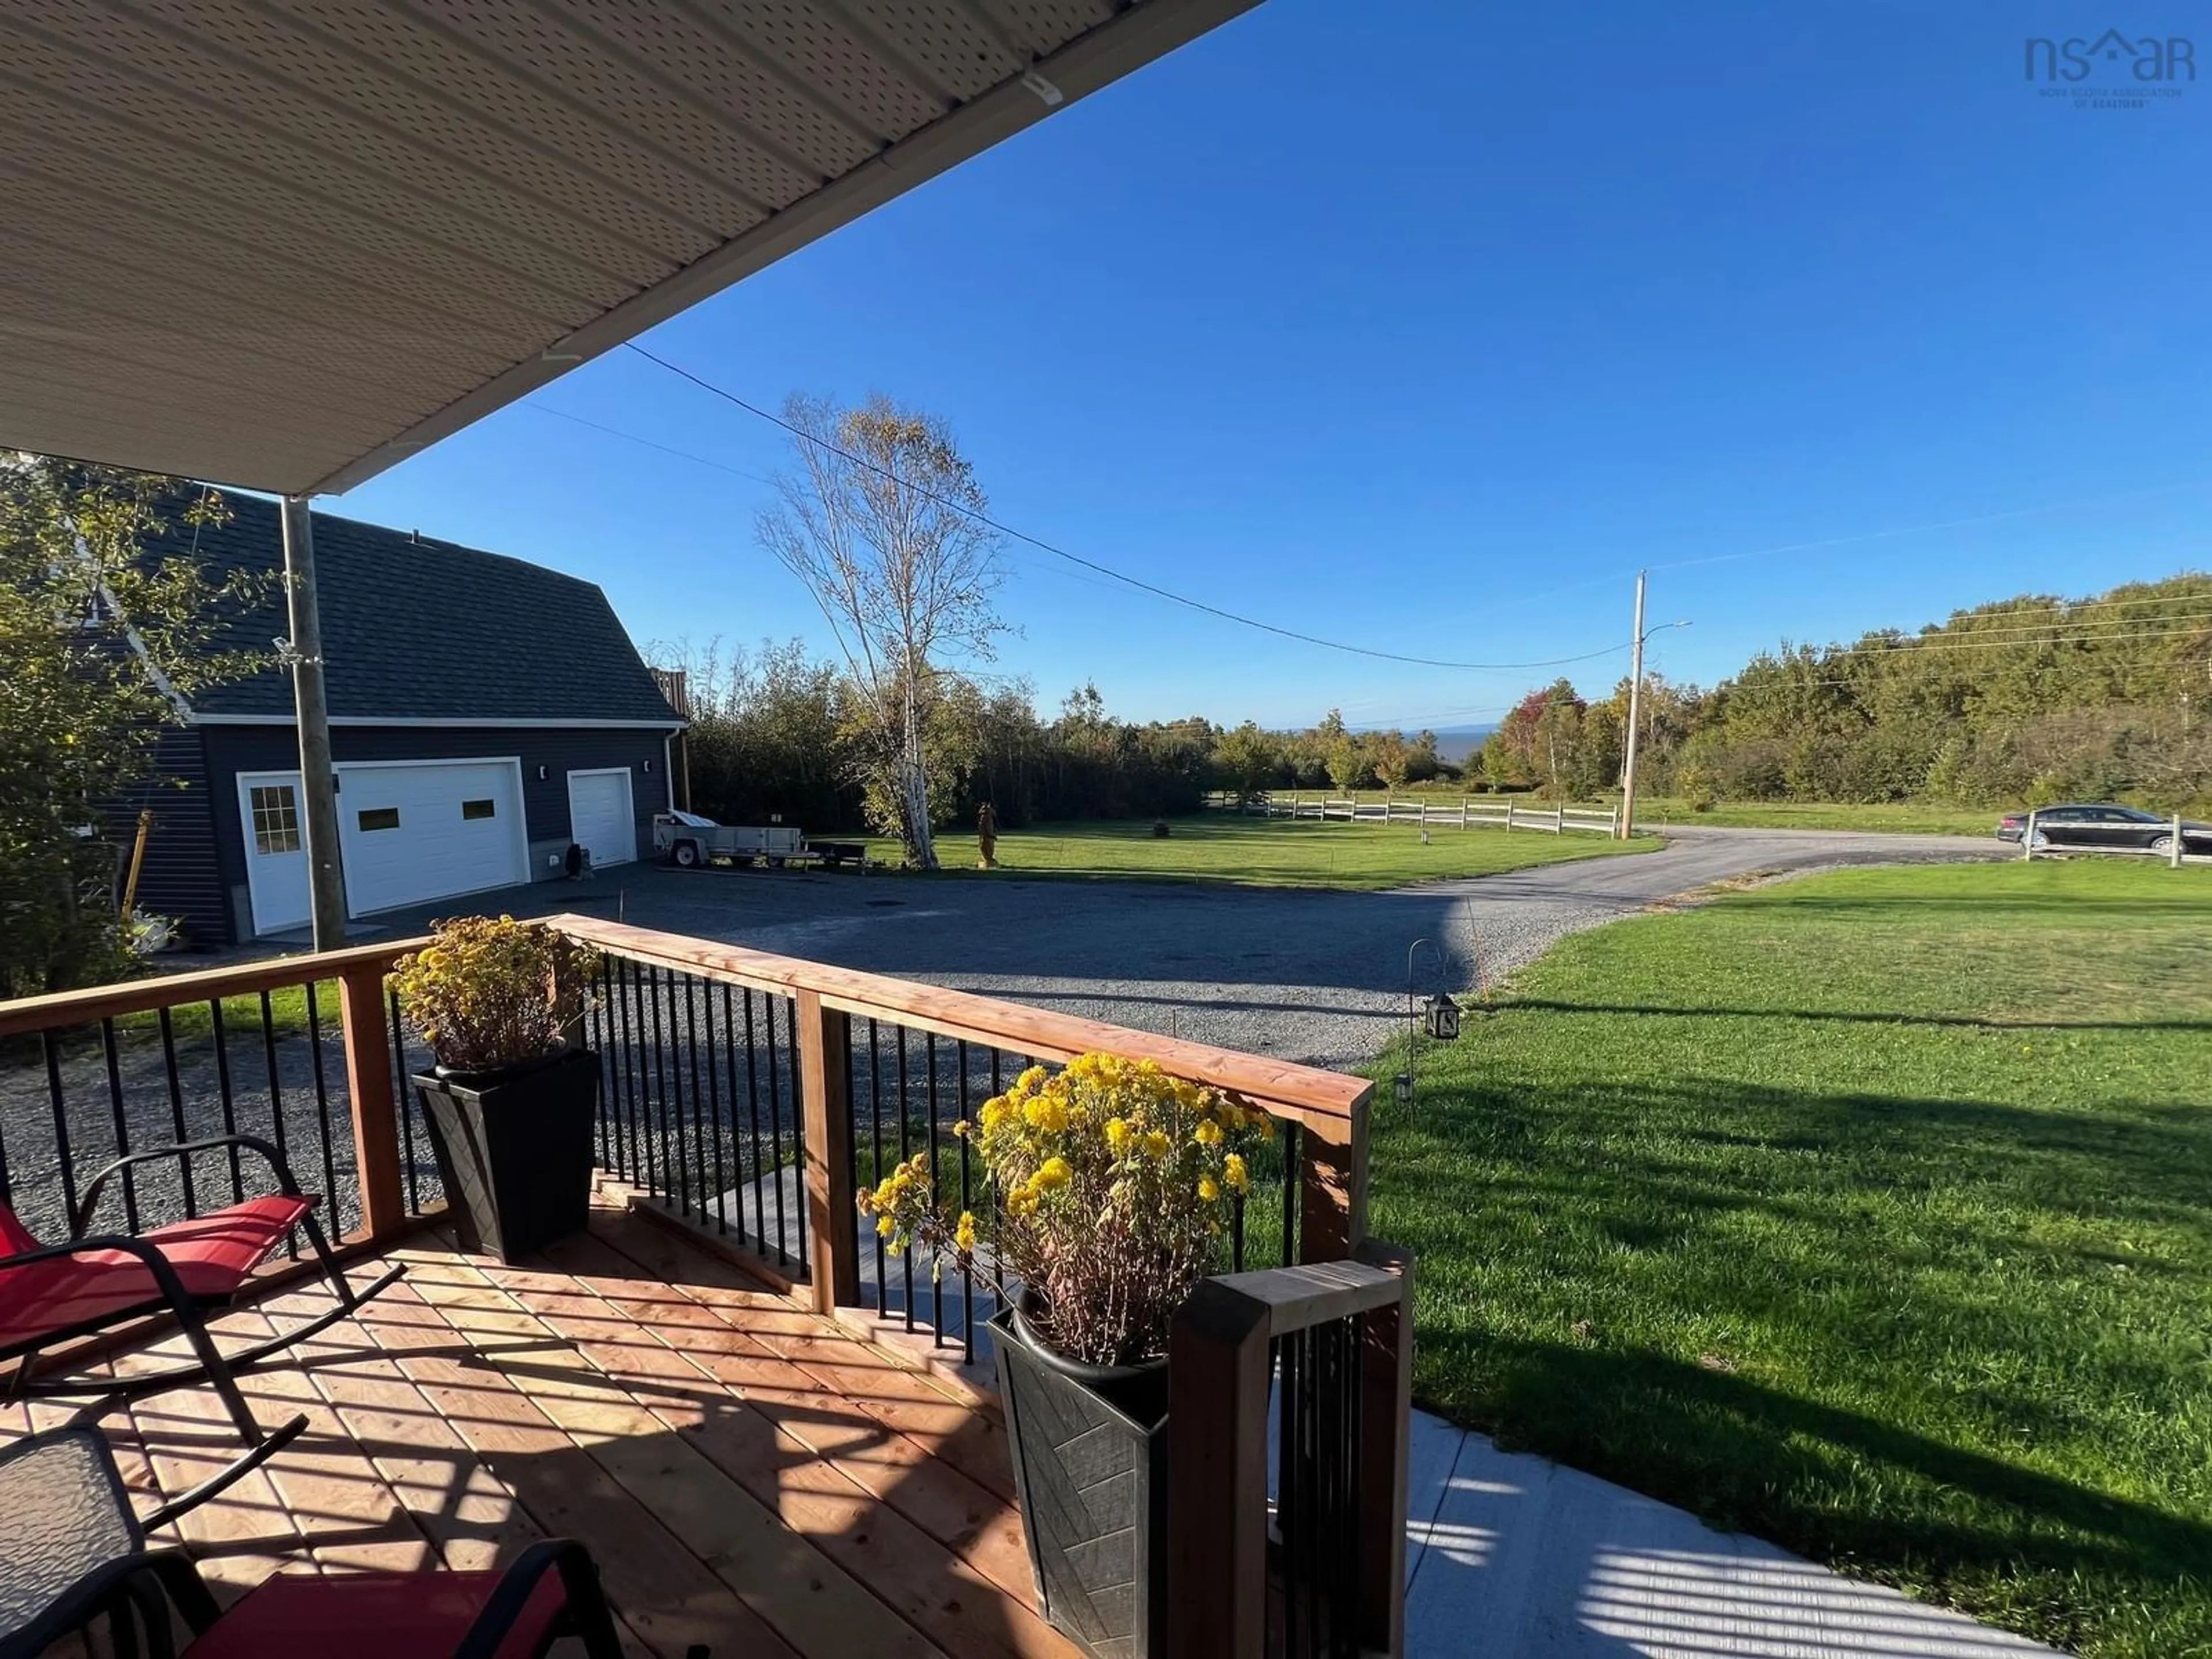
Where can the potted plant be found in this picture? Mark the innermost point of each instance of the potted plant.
(509, 1104)
(1115, 1181)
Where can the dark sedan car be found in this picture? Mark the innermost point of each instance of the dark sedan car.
(2106, 828)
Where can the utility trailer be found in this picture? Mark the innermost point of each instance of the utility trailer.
(689, 840)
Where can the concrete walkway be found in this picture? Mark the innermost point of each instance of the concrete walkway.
(1509, 1556)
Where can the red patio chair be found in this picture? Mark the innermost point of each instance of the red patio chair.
(73, 1557)
(551, 1591)
(55, 1293)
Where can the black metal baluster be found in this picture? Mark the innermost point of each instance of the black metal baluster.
(1291, 1174)
(177, 1103)
(276, 1105)
(634, 1158)
(595, 1039)
(776, 1128)
(936, 1255)
(62, 1149)
(322, 1117)
(682, 1151)
(967, 1268)
(906, 1256)
(692, 985)
(998, 1258)
(714, 1116)
(1289, 1512)
(659, 1075)
(611, 1065)
(798, 1122)
(404, 1102)
(875, 1143)
(122, 1121)
(730, 1069)
(642, 1091)
(229, 1105)
(752, 1109)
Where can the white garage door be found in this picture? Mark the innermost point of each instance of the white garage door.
(600, 815)
(427, 829)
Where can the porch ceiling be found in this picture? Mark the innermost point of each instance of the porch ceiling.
(287, 243)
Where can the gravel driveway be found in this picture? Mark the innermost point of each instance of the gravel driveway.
(1313, 977)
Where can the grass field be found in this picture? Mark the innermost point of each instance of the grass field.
(1870, 1214)
(1265, 852)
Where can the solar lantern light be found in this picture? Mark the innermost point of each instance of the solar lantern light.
(1401, 1086)
(1443, 1019)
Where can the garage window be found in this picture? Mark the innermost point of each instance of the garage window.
(380, 817)
(478, 808)
(276, 819)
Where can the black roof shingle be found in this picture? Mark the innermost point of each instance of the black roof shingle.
(415, 628)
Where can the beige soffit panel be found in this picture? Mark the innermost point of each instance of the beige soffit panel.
(286, 243)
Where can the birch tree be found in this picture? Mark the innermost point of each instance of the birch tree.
(881, 519)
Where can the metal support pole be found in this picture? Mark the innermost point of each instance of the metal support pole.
(318, 783)
(1635, 715)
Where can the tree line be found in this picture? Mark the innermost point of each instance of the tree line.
(2018, 703)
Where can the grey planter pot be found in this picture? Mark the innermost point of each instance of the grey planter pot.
(514, 1149)
(1089, 1454)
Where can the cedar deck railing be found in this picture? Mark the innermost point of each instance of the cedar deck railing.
(747, 1095)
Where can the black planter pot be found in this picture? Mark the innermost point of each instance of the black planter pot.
(1090, 1449)
(514, 1149)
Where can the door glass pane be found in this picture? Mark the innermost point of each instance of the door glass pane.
(276, 810)
(477, 809)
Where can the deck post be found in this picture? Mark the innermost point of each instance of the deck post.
(825, 1074)
(2174, 857)
(374, 1108)
(1219, 1368)
(1332, 1199)
(1386, 1369)
(2028, 836)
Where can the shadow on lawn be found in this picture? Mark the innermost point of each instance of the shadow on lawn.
(1871, 1228)
(1650, 1421)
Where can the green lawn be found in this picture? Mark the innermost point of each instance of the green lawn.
(1900, 818)
(241, 1015)
(1870, 1214)
(1266, 853)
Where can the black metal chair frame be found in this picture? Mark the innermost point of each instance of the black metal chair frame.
(135, 1592)
(210, 1364)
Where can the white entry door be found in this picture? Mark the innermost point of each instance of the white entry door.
(276, 850)
(601, 817)
(411, 831)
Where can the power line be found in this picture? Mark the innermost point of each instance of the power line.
(1044, 546)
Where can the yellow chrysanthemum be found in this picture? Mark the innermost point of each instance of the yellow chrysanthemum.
(1053, 1172)
(885, 1227)
(1118, 1134)
(1208, 1132)
(963, 1235)
(1208, 1188)
(1234, 1172)
(1046, 1113)
(1156, 1144)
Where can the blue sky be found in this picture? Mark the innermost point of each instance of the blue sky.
(1422, 325)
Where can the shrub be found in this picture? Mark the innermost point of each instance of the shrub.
(485, 993)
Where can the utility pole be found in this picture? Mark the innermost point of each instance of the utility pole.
(318, 790)
(1635, 717)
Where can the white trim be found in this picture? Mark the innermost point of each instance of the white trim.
(629, 776)
(409, 723)
(668, 767)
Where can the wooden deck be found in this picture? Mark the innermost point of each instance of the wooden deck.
(750, 1476)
